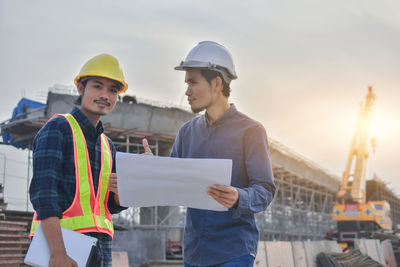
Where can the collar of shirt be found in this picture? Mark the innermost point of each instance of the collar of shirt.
(87, 127)
(229, 113)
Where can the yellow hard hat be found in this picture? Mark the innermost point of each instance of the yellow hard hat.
(105, 66)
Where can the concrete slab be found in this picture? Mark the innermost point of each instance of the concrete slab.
(359, 244)
(388, 253)
(297, 164)
(279, 254)
(120, 259)
(370, 247)
(141, 246)
(331, 246)
(139, 116)
(299, 254)
(375, 245)
(312, 249)
(261, 259)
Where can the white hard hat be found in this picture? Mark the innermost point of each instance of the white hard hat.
(212, 56)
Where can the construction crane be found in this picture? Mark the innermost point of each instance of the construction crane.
(355, 217)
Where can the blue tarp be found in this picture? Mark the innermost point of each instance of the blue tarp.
(18, 114)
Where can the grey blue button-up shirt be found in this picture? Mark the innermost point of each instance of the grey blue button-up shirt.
(213, 237)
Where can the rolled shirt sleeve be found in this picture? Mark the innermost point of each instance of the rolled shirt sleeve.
(47, 158)
(261, 190)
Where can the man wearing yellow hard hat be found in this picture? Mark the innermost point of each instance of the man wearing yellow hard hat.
(74, 180)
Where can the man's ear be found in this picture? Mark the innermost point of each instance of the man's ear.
(80, 88)
(218, 84)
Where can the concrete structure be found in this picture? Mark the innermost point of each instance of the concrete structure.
(129, 122)
(126, 126)
(305, 192)
(377, 190)
(140, 245)
(303, 201)
(120, 259)
(372, 248)
(292, 254)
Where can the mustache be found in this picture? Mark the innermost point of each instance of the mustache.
(104, 102)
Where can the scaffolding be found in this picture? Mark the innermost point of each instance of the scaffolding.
(377, 190)
(305, 195)
(159, 218)
(301, 210)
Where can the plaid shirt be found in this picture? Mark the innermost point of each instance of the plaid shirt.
(52, 189)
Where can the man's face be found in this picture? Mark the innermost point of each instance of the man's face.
(99, 96)
(200, 93)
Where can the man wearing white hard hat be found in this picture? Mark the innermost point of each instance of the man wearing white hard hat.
(227, 238)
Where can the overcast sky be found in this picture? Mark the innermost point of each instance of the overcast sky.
(303, 65)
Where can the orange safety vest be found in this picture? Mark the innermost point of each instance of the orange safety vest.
(88, 212)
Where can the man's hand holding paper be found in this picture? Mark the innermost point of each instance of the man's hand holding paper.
(163, 181)
(227, 196)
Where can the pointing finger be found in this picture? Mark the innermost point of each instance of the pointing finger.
(147, 150)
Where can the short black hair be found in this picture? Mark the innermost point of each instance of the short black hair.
(209, 75)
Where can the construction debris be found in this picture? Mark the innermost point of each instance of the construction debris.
(353, 258)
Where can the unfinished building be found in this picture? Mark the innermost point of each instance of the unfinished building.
(377, 190)
(303, 203)
(305, 194)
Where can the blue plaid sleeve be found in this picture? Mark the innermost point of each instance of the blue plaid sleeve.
(47, 158)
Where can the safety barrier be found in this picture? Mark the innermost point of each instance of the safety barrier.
(120, 259)
(353, 258)
(370, 247)
(304, 254)
(388, 253)
(292, 254)
(381, 252)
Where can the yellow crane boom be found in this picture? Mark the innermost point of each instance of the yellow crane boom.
(358, 154)
(355, 217)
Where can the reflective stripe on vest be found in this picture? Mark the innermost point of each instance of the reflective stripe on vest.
(88, 211)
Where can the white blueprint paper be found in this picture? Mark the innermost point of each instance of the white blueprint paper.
(145, 181)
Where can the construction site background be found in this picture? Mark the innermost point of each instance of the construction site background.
(301, 210)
